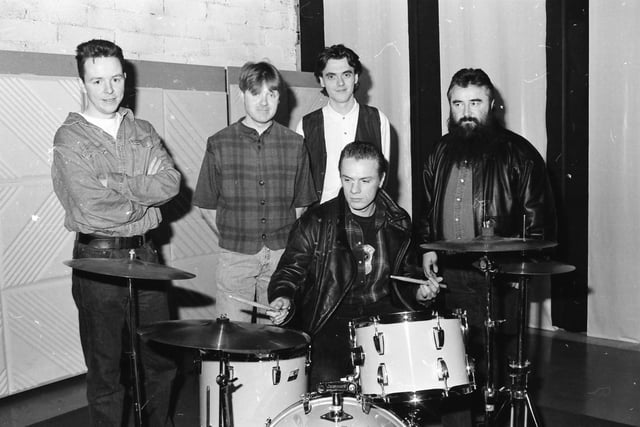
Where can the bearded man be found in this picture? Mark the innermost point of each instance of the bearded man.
(480, 176)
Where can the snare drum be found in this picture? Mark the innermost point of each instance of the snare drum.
(320, 411)
(411, 356)
(264, 385)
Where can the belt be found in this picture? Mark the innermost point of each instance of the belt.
(106, 242)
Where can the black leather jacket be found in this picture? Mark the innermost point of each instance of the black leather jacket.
(318, 268)
(511, 182)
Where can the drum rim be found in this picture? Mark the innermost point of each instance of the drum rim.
(419, 396)
(285, 353)
(402, 316)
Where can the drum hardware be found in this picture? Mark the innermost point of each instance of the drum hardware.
(438, 336)
(225, 404)
(130, 268)
(518, 397)
(383, 379)
(336, 410)
(259, 365)
(464, 323)
(443, 374)
(486, 244)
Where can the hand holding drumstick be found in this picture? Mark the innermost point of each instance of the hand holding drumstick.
(428, 289)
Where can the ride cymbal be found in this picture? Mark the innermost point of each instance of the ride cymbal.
(489, 244)
(534, 268)
(224, 335)
(129, 268)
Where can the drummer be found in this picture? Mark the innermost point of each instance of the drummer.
(338, 260)
(111, 172)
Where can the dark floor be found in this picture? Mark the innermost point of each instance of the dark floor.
(575, 381)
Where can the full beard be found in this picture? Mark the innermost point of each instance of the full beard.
(471, 143)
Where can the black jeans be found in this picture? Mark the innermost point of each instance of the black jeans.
(102, 303)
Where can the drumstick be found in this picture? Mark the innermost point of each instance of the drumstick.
(253, 304)
(416, 281)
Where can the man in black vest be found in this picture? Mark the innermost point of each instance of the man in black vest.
(329, 129)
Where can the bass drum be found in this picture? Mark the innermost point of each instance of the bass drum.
(319, 411)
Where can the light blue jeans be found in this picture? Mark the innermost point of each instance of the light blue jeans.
(245, 276)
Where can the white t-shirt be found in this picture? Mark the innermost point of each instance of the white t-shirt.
(110, 126)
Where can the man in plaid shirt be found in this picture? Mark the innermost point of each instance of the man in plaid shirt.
(254, 182)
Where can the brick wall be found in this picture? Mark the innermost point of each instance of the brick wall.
(203, 32)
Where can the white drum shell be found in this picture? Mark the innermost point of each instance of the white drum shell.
(411, 357)
(295, 416)
(254, 396)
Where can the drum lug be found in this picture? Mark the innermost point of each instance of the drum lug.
(471, 373)
(378, 342)
(383, 378)
(464, 323)
(443, 374)
(306, 403)
(366, 405)
(438, 337)
(276, 374)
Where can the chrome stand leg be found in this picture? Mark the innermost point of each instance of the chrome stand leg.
(134, 355)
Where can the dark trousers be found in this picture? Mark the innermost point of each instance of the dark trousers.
(102, 303)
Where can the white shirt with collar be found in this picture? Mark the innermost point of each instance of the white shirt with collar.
(340, 130)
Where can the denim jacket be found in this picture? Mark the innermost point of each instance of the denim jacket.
(83, 153)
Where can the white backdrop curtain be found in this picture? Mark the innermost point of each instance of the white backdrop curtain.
(378, 31)
(504, 37)
(614, 169)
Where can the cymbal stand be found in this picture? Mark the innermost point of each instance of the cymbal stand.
(133, 350)
(224, 381)
(519, 402)
(489, 269)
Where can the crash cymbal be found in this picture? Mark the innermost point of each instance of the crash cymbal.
(534, 268)
(489, 244)
(129, 268)
(224, 335)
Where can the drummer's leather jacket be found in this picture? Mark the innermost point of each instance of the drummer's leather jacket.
(318, 268)
(511, 182)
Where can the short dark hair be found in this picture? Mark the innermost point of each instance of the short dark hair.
(97, 48)
(337, 51)
(254, 74)
(471, 76)
(361, 150)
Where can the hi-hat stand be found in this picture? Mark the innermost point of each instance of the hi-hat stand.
(487, 266)
(519, 403)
